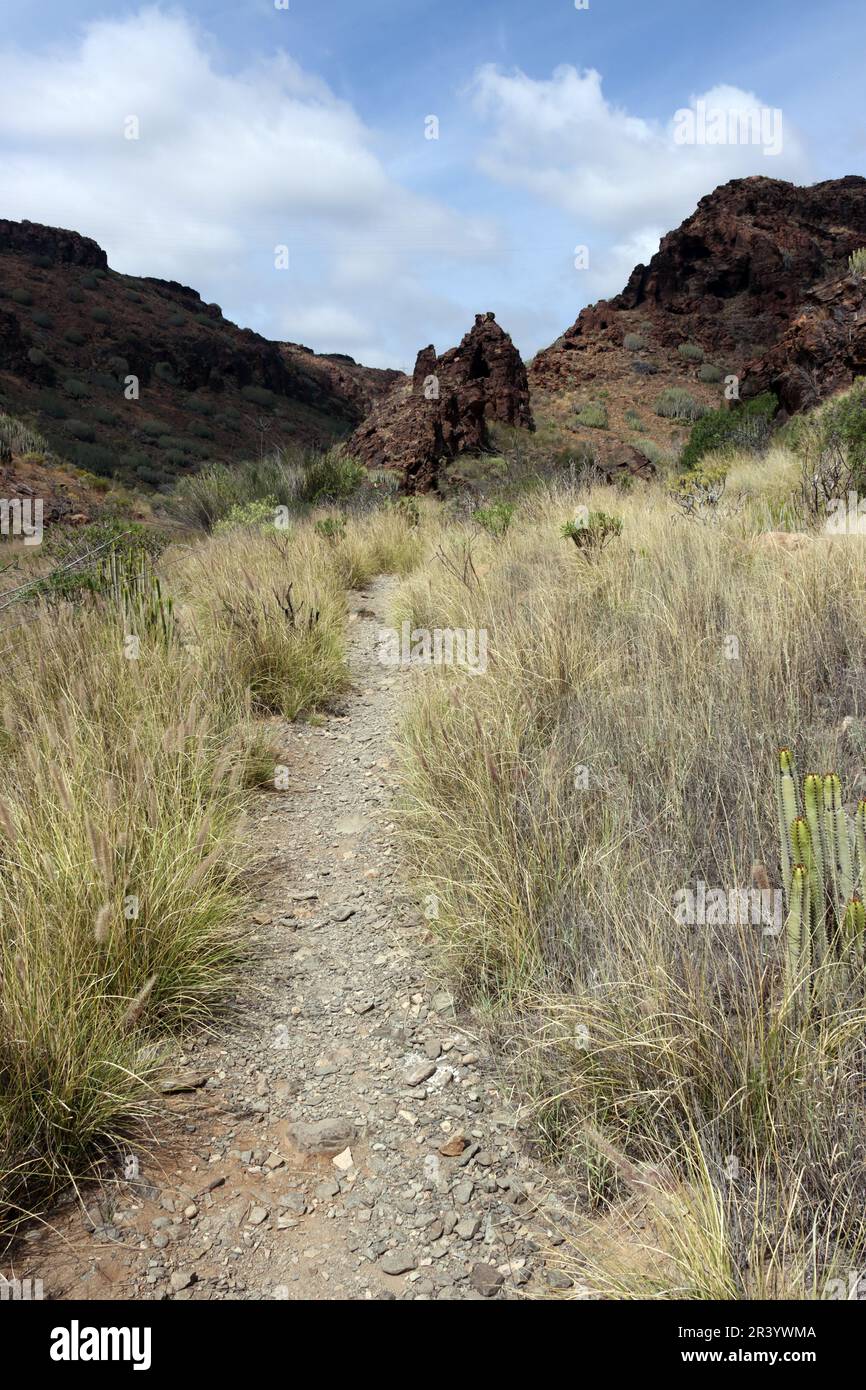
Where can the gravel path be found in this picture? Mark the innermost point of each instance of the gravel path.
(344, 1138)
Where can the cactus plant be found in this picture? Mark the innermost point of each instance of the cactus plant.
(819, 849)
(128, 579)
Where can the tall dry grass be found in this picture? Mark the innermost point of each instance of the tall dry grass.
(121, 849)
(619, 749)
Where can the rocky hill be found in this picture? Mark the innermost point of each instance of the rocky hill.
(750, 284)
(75, 335)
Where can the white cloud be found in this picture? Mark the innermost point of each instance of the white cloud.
(227, 166)
(619, 176)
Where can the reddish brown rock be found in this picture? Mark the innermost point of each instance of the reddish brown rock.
(730, 279)
(823, 350)
(333, 376)
(444, 410)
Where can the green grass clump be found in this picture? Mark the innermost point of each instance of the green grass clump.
(710, 374)
(79, 429)
(593, 415)
(691, 352)
(857, 261)
(259, 395)
(495, 518)
(678, 404)
(634, 342)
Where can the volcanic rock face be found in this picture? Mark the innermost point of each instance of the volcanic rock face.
(332, 376)
(444, 409)
(73, 331)
(823, 350)
(730, 280)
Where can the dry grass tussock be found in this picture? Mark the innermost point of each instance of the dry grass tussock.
(127, 772)
(618, 750)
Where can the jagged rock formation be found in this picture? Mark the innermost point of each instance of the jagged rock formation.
(730, 279)
(822, 351)
(753, 285)
(72, 330)
(444, 409)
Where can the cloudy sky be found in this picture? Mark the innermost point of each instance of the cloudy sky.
(307, 124)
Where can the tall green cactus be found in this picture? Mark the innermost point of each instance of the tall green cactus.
(819, 848)
(128, 579)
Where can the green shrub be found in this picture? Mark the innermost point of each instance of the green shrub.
(79, 429)
(710, 374)
(691, 352)
(177, 320)
(37, 357)
(633, 342)
(22, 297)
(152, 427)
(75, 336)
(259, 395)
(42, 318)
(256, 514)
(633, 420)
(171, 441)
(677, 404)
(495, 519)
(330, 477)
(746, 426)
(52, 405)
(100, 315)
(96, 458)
(836, 432)
(165, 371)
(78, 389)
(201, 430)
(74, 295)
(331, 528)
(592, 532)
(593, 415)
(200, 405)
(118, 366)
(153, 476)
(89, 282)
(105, 417)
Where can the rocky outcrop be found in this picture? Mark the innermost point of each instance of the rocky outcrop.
(730, 279)
(444, 410)
(50, 246)
(822, 351)
(330, 376)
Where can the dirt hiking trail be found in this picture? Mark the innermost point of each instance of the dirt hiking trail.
(342, 1137)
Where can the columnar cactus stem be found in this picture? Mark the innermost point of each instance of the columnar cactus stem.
(826, 923)
(796, 929)
(789, 809)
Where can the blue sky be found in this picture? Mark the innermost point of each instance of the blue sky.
(261, 127)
